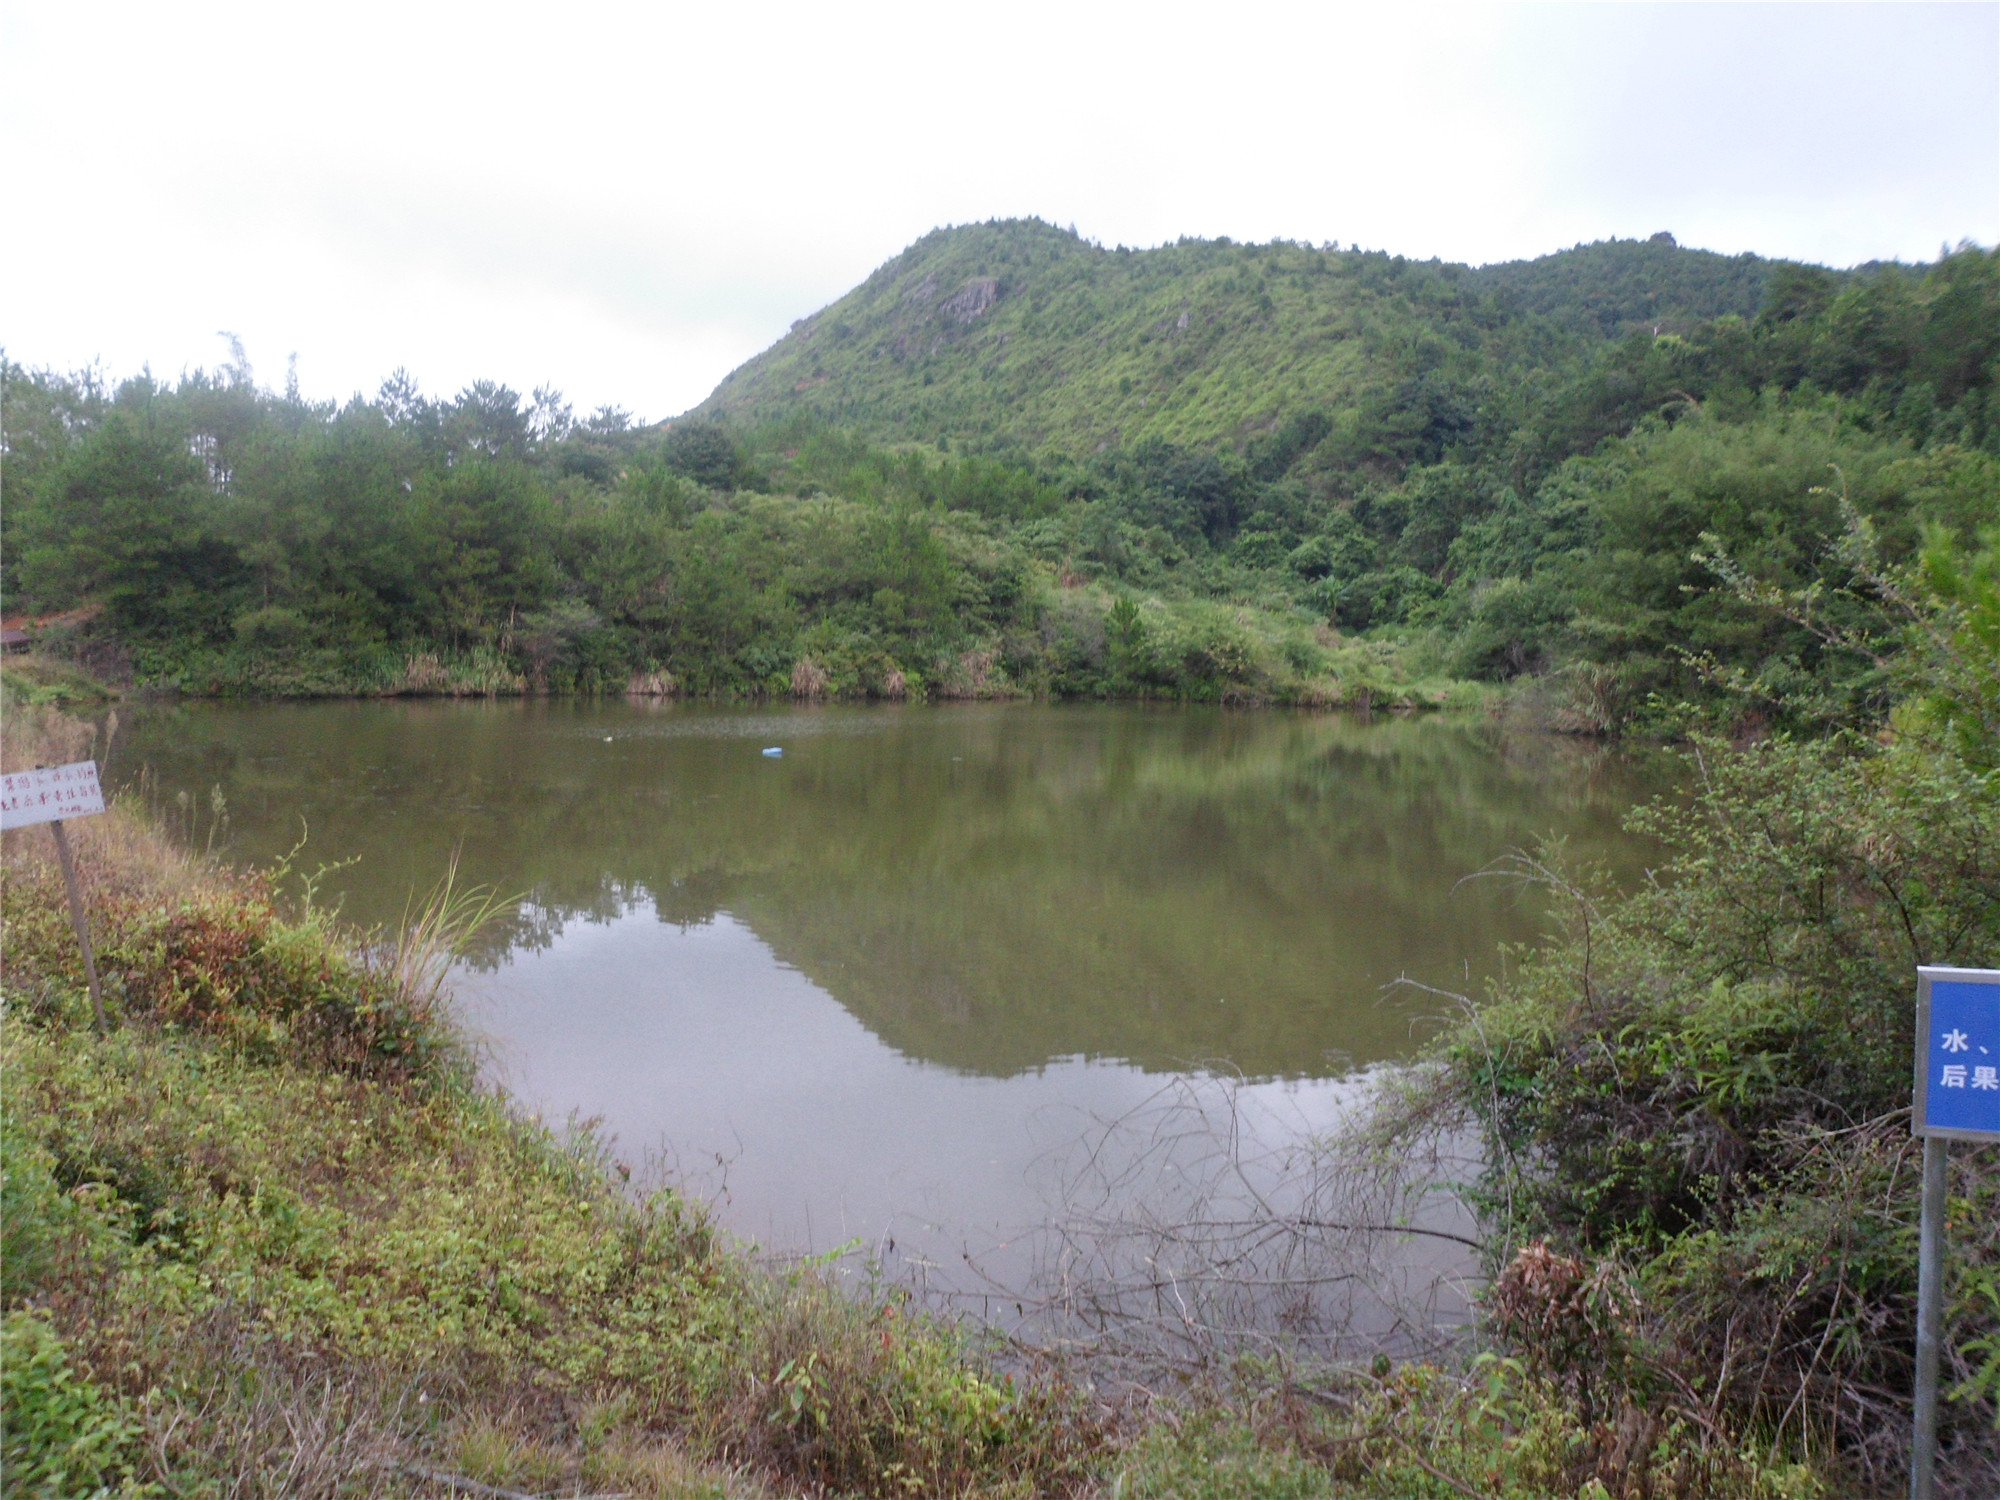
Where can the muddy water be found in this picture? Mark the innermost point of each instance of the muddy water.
(879, 986)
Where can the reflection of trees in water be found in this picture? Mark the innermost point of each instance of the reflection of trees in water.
(532, 926)
(683, 901)
(987, 888)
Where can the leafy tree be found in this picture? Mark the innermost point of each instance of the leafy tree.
(479, 533)
(703, 452)
(122, 520)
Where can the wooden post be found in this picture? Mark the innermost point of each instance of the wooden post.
(78, 920)
(48, 794)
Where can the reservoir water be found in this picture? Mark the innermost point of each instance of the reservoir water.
(880, 986)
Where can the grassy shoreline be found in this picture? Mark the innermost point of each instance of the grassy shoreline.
(55, 683)
(1084, 640)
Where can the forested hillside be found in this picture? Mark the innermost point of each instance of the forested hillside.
(1020, 335)
(1016, 461)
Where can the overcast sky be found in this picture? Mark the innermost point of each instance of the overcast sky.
(626, 200)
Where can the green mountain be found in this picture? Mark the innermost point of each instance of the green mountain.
(1019, 335)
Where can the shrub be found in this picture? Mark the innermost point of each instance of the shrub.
(1698, 1092)
(273, 626)
(222, 960)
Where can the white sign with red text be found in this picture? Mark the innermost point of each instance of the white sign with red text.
(43, 796)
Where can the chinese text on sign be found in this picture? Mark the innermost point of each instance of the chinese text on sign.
(1958, 1053)
(54, 792)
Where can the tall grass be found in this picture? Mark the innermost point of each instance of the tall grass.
(434, 935)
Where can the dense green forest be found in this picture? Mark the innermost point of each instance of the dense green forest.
(1014, 461)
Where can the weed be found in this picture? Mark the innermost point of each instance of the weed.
(63, 1434)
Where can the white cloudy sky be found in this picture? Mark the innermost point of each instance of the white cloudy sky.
(626, 199)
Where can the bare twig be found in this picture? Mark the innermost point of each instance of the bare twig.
(490, 1491)
(1190, 1230)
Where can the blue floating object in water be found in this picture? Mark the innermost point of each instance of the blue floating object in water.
(774, 750)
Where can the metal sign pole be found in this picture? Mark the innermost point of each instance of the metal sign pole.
(1956, 1098)
(1930, 1321)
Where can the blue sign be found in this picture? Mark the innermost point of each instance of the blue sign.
(1958, 1054)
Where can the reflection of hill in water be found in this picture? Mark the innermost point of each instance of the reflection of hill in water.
(986, 887)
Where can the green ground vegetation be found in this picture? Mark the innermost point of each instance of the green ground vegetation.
(1016, 462)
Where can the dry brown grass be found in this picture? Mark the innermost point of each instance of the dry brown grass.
(809, 680)
(225, 1398)
(600, 1455)
(280, 1425)
(434, 935)
(656, 684)
(33, 734)
(123, 850)
(973, 675)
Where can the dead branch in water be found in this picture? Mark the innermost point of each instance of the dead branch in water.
(1209, 1223)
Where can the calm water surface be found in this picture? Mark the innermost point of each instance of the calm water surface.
(877, 987)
